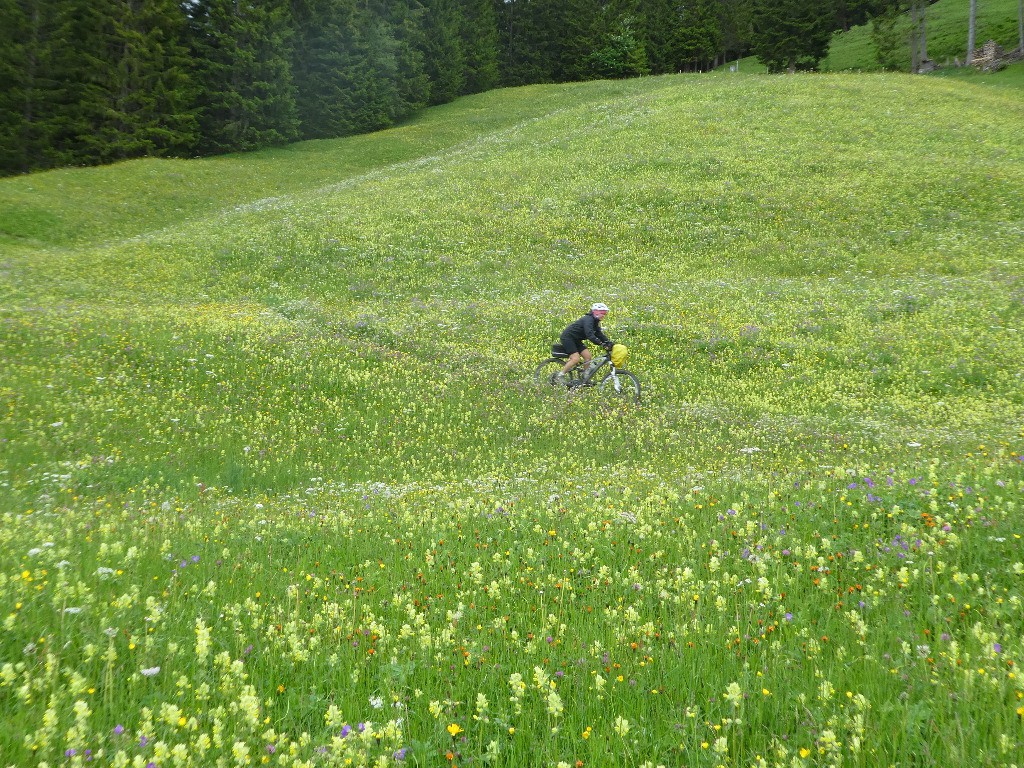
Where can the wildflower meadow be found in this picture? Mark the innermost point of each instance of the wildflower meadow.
(277, 486)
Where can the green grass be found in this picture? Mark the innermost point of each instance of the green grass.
(267, 423)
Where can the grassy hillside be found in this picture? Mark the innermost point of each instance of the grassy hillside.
(277, 486)
(946, 24)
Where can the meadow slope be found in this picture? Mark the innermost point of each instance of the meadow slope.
(268, 427)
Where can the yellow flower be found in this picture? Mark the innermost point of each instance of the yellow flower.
(454, 729)
(805, 752)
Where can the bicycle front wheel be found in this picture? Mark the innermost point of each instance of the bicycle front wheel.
(621, 385)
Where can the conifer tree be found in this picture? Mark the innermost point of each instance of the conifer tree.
(622, 52)
(247, 97)
(788, 34)
(661, 22)
(582, 27)
(699, 37)
(736, 25)
(55, 86)
(525, 34)
(16, 77)
(402, 27)
(441, 46)
(479, 33)
(330, 67)
(148, 96)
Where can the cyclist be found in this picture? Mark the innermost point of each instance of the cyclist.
(587, 328)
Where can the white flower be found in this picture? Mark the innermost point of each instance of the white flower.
(555, 705)
(621, 726)
(734, 694)
(149, 672)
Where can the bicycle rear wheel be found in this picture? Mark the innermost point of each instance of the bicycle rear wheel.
(621, 385)
(545, 374)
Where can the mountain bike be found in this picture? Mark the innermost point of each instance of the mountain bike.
(616, 383)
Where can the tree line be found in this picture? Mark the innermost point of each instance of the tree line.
(93, 81)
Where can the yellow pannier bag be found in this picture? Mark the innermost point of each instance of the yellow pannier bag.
(619, 355)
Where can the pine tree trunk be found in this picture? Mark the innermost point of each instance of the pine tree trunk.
(1020, 24)
(971, 27)
(914, 35)
(924, 36)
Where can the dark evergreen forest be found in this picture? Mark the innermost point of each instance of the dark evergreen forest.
(84, 82)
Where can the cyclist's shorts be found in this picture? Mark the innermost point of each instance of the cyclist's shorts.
(572, 346)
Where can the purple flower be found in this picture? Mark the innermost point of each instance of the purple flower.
(869, 482)
(346, 730)
(944, 637)
(271, 749)
(851, 486)
(789, 617)
(361, 727)
(913, 480)
(559, 673)
(195, 558)
(785, 553)
(143, 741)
(70, 753)
(997, 648)
(400, 754)
(118, 729)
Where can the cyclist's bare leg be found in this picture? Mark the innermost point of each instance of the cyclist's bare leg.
(574, 360)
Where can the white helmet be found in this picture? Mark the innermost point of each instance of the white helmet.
(599, 307)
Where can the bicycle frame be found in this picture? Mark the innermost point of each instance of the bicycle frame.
(600, 363)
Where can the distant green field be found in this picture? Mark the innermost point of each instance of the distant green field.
(277, 485)
(946, 23)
